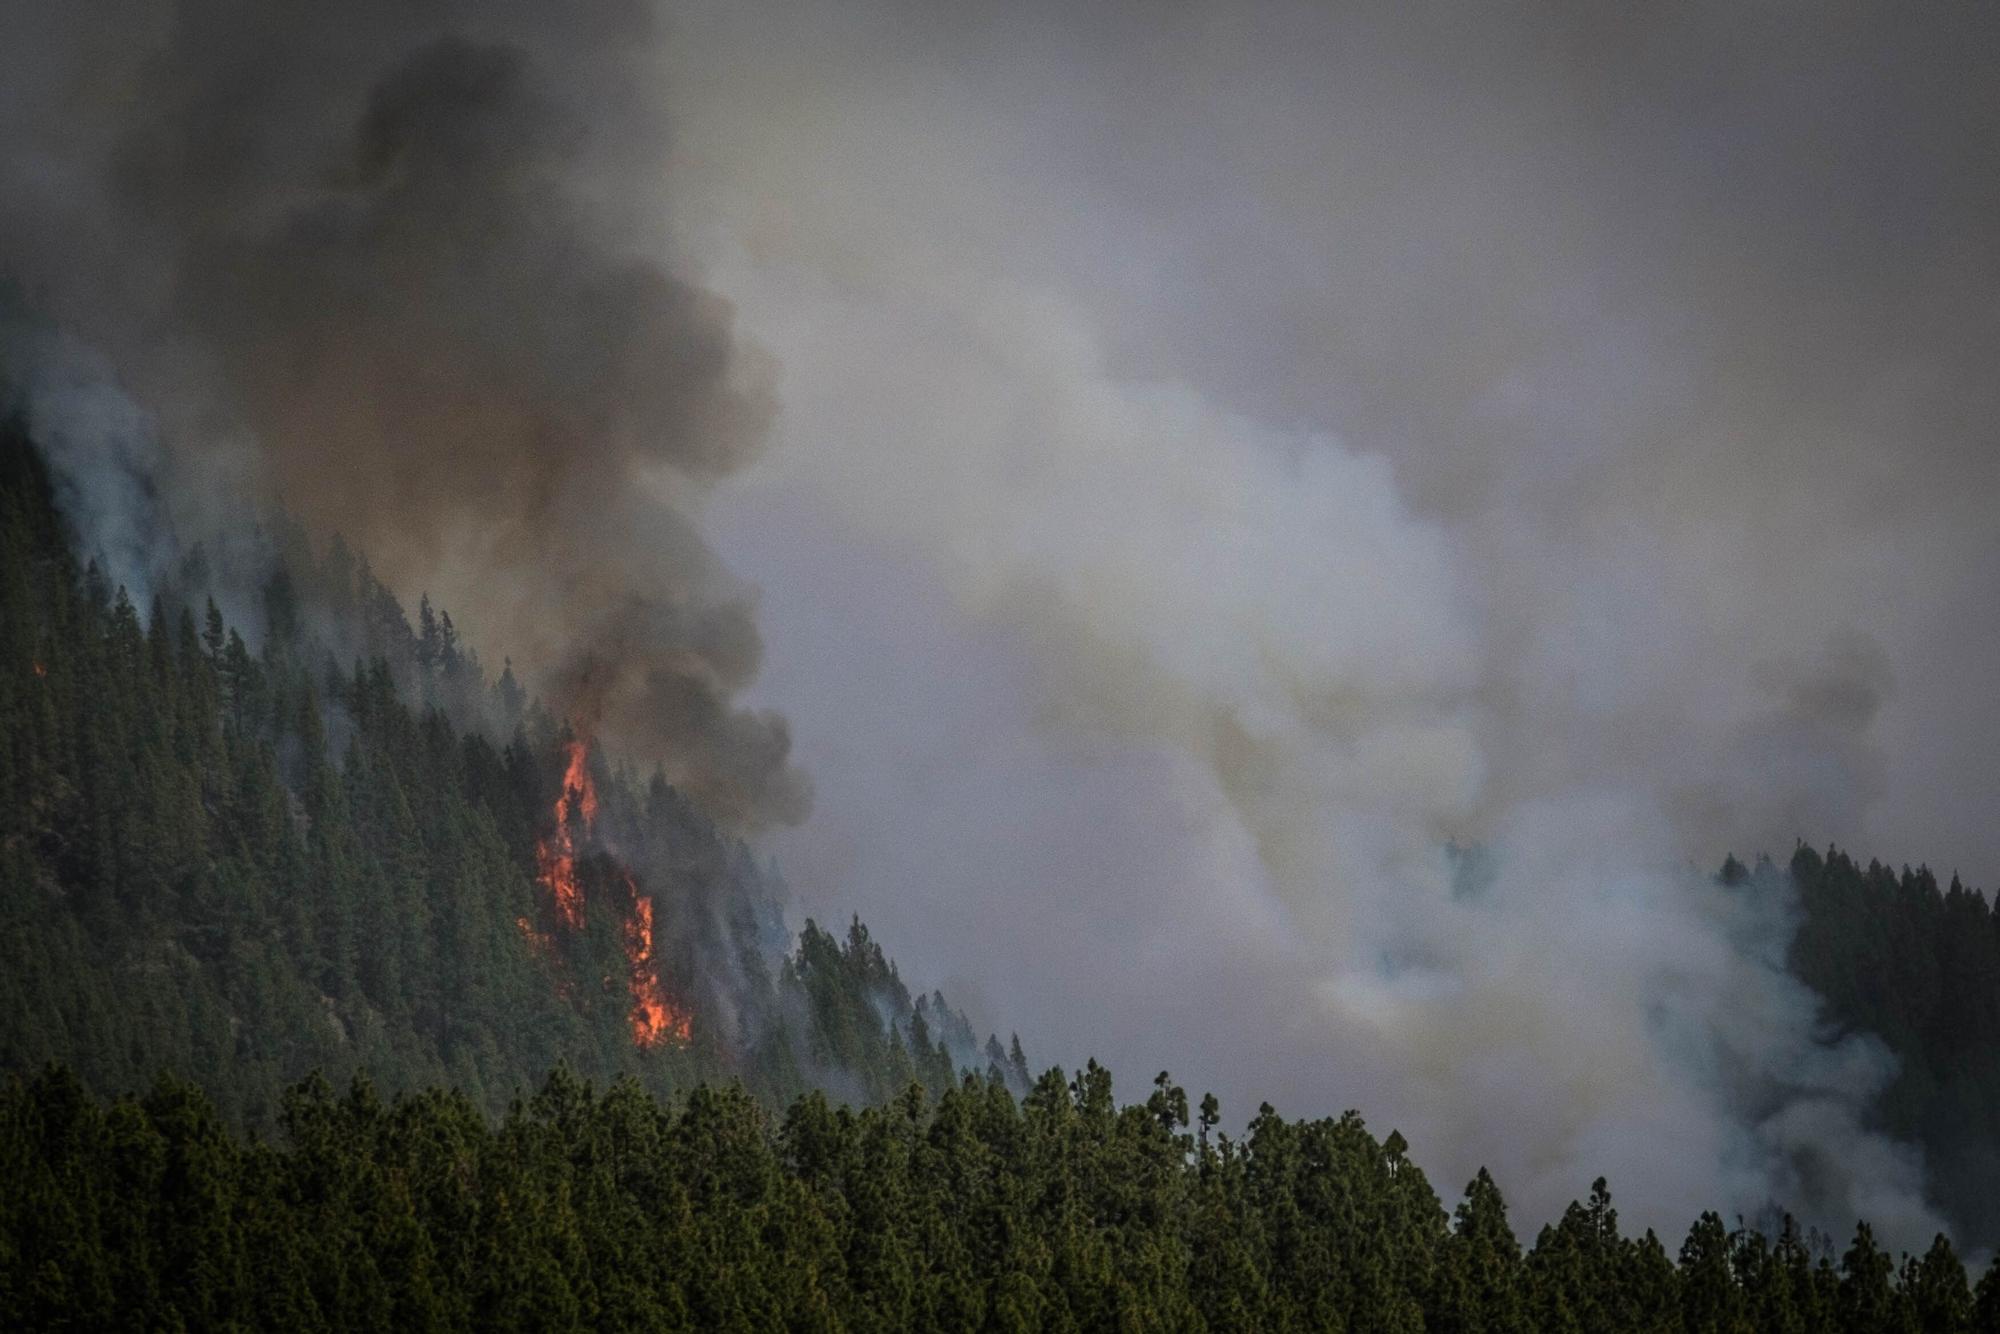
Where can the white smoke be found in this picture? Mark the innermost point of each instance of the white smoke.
(103, 450)
(1149, 702)
(1259, 611)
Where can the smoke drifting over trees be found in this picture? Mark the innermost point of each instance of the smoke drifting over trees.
(1321, 434)
(375, 259)
(1221, 464)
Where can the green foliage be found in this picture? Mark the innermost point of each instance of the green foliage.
(972, 1211)
(1917, 966)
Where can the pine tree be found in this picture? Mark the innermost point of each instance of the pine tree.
(1868, 1301)
(1480, 1280)
(1933, 1288)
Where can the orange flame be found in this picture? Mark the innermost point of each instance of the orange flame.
(555, 856)
(41, 670)
(655, 1018)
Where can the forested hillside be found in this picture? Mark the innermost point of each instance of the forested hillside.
(1919, 967)
(329, 843)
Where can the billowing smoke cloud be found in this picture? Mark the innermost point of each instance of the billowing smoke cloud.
(1245, 453)
(382, 261)
(1264, 610)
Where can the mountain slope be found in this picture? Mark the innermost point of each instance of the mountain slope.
(246, 864)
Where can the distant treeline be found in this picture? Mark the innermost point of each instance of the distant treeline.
(1059, 1211)
(1919, 967)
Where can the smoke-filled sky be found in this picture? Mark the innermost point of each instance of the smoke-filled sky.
(1225, 452)
(1185, 465)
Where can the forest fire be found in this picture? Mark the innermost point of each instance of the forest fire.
(555, 856)
(654, 1018)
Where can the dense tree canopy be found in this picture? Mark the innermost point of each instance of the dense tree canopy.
(972, 1211)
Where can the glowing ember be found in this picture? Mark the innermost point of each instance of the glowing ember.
(537, 941)
(41, 670)
(543, 946)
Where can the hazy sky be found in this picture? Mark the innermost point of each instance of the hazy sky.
(1186, 465)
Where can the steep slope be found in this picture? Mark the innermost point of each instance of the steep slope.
(329, 843)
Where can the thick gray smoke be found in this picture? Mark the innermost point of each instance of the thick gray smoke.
(377, 258)
(1228, 455)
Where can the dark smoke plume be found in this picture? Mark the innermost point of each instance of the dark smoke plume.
(398, 248)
